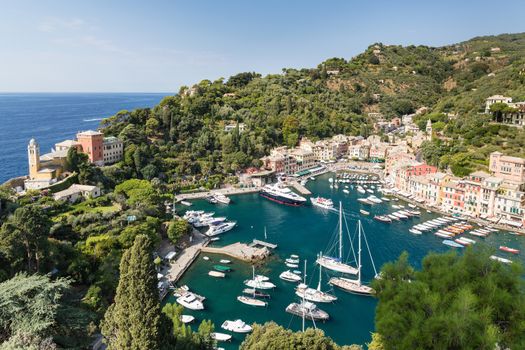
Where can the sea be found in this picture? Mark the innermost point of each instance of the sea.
(306, 231)
(54, 117)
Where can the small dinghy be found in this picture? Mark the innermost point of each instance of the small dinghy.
(187, 318)
(220, 336)
(217, 274)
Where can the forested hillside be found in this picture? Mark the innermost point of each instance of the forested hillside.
(184, 135)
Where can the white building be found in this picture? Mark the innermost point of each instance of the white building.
(496, 99)
(75, 191)
(113, 150)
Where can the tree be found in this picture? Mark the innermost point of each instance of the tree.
(456, 301)
(133, 320)
(177, 229)
(272, 336)
(75, 159)
(23, 237)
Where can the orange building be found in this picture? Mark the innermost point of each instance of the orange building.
(92, 143)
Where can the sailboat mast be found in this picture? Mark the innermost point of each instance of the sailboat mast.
(319, 284)
(304, 274)
(340, 231)
(359, 255)
(265, 233)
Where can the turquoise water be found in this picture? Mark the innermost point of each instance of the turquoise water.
(305, 231)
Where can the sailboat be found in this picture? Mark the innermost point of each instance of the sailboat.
(259, 282)
(333, 263)
(311, 294)
(351, 285)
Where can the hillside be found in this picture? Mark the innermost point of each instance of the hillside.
(183, 137)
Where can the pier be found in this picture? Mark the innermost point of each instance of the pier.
(240, 251)
(257, 242)
(186, 257)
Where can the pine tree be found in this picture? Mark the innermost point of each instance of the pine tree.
(133, 321)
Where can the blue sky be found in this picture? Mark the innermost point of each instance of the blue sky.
(149, 46)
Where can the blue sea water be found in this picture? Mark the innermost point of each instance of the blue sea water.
(305, 231)
(53, 117)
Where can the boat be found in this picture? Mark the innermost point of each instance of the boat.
(221, 198)
(415, 231)
(292, 261)
(355, 286)
(308, 310)
(186, 203)
(237, 326)
(399, 215)
(369, 190)
(258, 283)
(261, 278)
(382, 218)
(220, 228)
(311, 294)
(413, 206)
(374, 199)
(186, 318)
(500, 259)
(385, 199)
(336, 263)
(364, 212)
(222, 268)
(346, 191)
(190, 301)
(291, 265)
(452, 243)
(361, 190)
(294, 256)
(214, 239)
(395, 206)
(509, 250)
(321, 202)
(225, 261)
(205, 258)
(220, 336)
(364, 200)
(256, 293)
(211, 199)
(312, 178)
(282, 195)
(289, 276)
(216, 274)
(251, 301)
(464, 241)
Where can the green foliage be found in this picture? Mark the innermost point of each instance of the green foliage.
(75, 159)
(133, 320)
(177, 229)
(461, 302)
(272, 336)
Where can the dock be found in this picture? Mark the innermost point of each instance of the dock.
(300, 188)
(186, 257)
(240, 251)
(257, 242)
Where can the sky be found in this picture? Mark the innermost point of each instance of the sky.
(158, 46)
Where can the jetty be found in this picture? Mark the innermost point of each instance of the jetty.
(186, 257)
(257, 242)
(240, 251)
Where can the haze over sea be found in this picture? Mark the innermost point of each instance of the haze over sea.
(53, 117)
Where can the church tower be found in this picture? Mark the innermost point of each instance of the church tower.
(429, 130)
(33, 155)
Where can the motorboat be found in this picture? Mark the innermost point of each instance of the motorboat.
(374, 199)
(221, 198)
(361, 190)
(509, 250)
(186, 203)
(321, 202)
(364, 200)
(237, 326)
(292, 261)
(452, 244)
(393, 217)
(190, 301)
(464, 241)
(220, 228)
(225, 261)
(308, 310)
(415, 231)
(346, 191)
(186, 318)
(294, 256)
(382, 218)
(500, 259)
(217, 274)
(205, 258)
(364, 212)
(251, 301)
(314, 295)
(220, 336)
(255, 293)
(289, 276)
(292, 265)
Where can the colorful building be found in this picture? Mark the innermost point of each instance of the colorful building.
(92, 143)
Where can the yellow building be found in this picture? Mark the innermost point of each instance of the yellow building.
(46, 169)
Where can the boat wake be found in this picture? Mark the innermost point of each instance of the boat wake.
(92, 120)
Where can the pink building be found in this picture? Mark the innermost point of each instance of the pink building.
(506, 167)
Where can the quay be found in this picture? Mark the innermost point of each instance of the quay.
(240, 251)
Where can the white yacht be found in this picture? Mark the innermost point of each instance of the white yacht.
(321, 202)
(308, 310)
(289, 276)
(220, 336)
(221, 198)
(251, 301)
(190, 301)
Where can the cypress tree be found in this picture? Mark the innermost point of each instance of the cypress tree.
(133, 321)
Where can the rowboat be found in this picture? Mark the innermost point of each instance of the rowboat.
(414, 231)
(382, 218)
(225, 261)
(509, 250)
(222, 268)
(364, 212)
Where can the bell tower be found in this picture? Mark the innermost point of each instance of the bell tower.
(33, 156)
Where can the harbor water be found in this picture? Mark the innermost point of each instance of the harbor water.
(306, 231)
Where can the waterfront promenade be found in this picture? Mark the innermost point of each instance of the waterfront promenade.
(240, 251)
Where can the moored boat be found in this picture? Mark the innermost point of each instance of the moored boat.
(382, 218)
(255, 293)
(321, 202)
(500, 259)
(509, 250)
(221, 198)
(237, 326)
(282, 195)
(190, 301)
(289, 276)
(308, 310)
(364, 212)
(452, 243)
(222, 268)
(217, 274)
(251, 301)
(186, 318)
(415, 231)
(220, 336)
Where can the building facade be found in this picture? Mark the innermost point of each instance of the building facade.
(92, 143)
